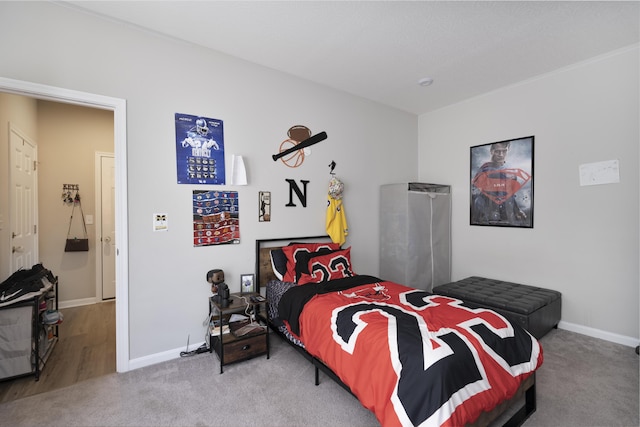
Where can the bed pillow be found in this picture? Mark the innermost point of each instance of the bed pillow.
(294, 250)
(302, 260)
(278, 263)
(322, 268)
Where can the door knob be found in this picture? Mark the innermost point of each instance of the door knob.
(107, 239)
(17, 249)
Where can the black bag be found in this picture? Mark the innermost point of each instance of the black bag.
(76, 244)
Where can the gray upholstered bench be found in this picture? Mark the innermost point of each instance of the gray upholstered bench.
(536, 309)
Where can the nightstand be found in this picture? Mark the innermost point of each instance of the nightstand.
(227, 341)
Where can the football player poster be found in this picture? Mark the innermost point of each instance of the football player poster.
(502, 183)
(199, 150)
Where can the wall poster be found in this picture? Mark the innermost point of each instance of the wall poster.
(199, 150)
(502, 183)
(264, 205)
(216, 218)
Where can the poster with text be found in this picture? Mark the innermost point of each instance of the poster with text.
(216, 219)
(199, 150)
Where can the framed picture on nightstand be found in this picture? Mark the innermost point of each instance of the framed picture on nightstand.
(247, 283)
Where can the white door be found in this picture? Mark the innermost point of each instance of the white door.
(23, 191)
(107, 225)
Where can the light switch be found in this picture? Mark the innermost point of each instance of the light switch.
(88, 219)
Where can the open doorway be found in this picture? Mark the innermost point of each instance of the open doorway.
(118, 106)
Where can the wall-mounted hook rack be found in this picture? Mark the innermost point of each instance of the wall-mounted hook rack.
(67, 193)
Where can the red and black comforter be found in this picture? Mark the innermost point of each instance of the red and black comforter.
(411, 357)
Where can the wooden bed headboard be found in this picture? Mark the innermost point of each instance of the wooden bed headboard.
(264, 271)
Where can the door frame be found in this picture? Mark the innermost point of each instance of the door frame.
(99, 155)
(119, 108)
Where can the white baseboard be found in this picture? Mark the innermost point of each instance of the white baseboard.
(597, 333)
(165, 356)
(76, 302)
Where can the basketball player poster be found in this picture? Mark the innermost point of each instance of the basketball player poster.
(216, 219)
(199, 150)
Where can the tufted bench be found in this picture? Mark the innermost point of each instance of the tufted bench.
(536, 309)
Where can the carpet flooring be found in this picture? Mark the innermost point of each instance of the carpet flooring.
(583, 382)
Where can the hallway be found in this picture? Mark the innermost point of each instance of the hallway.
(86, 349)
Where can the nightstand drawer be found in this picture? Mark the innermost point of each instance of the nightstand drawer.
(245, 348)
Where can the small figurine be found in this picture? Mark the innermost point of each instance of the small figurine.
(219, 289)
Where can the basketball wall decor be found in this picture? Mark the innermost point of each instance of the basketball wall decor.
(264, 206)
(292, 150)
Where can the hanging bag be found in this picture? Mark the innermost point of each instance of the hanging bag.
(75, 244)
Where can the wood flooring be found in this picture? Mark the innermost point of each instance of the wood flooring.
(86, 348)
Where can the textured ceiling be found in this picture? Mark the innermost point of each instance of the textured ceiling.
(379, 50)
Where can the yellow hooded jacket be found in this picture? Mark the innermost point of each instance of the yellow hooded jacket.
(336, 221)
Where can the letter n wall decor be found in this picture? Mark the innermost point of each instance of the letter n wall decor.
(302, 194)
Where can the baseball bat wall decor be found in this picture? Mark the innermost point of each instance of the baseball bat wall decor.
(303, 144)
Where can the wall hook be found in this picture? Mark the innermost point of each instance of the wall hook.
(332, 166)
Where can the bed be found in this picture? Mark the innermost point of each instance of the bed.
(409, 356)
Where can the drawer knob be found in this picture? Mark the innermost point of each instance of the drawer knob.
(246, 347)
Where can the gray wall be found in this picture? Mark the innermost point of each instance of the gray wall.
(585, 238)
(371, 144)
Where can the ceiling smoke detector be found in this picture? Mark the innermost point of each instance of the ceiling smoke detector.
(425, 81)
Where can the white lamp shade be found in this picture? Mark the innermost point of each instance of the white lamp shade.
(238, 171)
